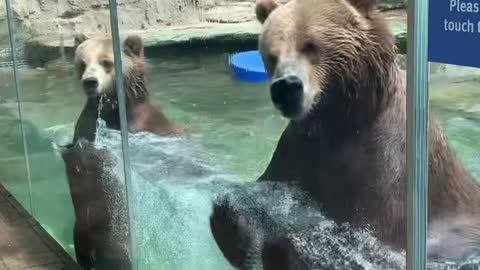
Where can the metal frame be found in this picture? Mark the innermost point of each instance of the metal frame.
(18, 90)
(417, 134)
(117, 53)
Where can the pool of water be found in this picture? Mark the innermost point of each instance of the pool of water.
(232, 121)
(233, 131)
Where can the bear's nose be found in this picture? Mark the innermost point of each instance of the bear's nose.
(287, 91)
(90, 83)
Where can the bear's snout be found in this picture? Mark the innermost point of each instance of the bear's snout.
(287, 95)
(90, 86)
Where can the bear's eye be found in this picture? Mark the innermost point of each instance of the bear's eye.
(310, 50)
(107, 64)
(80, 67)
(272, 58)
(271, 61)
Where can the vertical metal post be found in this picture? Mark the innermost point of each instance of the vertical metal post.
(117, 52)
(18, 89)
(417, 134)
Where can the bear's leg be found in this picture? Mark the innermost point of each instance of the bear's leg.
(113, 259)
(280, 254)
(230, 234)
(469, 266)
(83, 252)
(113, 255)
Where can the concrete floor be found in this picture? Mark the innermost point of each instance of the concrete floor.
(24, 244)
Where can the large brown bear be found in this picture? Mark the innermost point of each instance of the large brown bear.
(94, 64)
(334, 74)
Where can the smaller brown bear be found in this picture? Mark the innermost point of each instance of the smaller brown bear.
(94, 64)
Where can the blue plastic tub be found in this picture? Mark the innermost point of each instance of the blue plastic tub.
(248, 67)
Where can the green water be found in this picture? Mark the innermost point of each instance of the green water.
(234, 120)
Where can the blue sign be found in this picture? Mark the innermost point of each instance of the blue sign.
(454, 32)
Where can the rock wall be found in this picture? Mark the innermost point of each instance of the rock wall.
(43, 27)
(52, 17)
(66, 17)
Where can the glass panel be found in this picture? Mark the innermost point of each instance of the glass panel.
(454, 189)
(202, 126)
(43, 93)
(453, 210)
(78, 189)
(313, 117)
(13, 165)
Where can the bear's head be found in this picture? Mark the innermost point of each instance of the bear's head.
(320, 52)
(95, 64)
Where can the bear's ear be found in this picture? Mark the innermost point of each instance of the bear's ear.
(263, 8)
(364, 6)
(79, 39)
(134, 45)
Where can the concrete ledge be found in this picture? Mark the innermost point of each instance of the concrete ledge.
(24, 243)
(42, 49)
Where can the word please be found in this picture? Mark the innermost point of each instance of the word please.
(457, 5)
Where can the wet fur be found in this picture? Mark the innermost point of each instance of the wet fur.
(141, 114)
(349, 151)
(274, 228)
(100, 232)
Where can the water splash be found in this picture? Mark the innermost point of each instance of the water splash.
(285, 218)
(101, 125)
(175, 182)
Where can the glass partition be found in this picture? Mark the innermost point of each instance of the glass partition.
(225, 125)
(453, 99)
(205, 129)
(454, 189)
(15, 177)
(77, 188)
(13, 160)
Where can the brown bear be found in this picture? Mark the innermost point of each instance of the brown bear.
(100, 234)
(93, 187)
(94, 64)
(334, 75)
